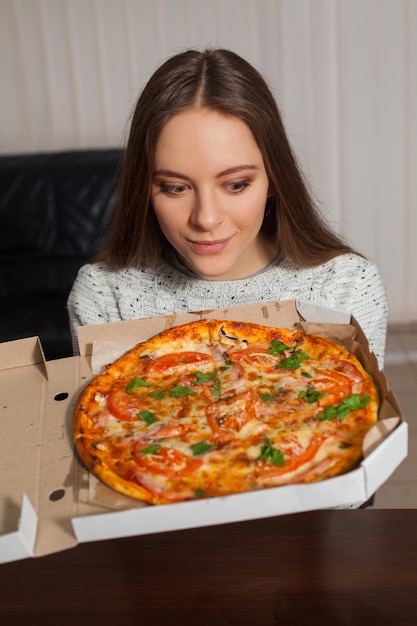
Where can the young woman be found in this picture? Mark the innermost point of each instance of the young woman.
(213, 210)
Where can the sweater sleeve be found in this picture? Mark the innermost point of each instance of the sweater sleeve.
(90, 300)
(354, 284)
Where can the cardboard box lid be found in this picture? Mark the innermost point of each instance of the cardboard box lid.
(63, 505)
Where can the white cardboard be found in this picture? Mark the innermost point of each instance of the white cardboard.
(385, 458)
(320, 314)
(21, 543)
(223, 510)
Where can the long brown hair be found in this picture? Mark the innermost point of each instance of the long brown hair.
(219, 80)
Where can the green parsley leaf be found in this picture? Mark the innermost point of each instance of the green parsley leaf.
(293, 361)
(199, 493)
(147, 416)
(355, 402)
(180, 391)
(204, 378)
(310, 395)
(152, 449)
(137, 382)
(277, 347)
(342, 411)
(270, 454)
(328, 413)
(265, 397)
(201, 447)
(216, 388)
(158, 395)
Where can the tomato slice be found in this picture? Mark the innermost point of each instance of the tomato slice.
(256, 357)
(348, 369)
(172, 429)
(158, 459)
(122, 405)
(179, 363)
(269, 470)
(227, 417)
(334, 384)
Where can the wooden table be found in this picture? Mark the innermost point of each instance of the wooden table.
(324, 567)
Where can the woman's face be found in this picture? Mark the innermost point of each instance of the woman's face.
(209, 192)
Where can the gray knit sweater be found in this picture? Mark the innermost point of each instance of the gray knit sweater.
(347, 283)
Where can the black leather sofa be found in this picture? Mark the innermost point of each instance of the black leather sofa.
(54, 211)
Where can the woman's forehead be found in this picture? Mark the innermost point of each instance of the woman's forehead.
(206, 137)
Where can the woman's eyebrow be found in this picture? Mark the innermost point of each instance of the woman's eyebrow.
(230, 170)
(236, 169)
(169, 174)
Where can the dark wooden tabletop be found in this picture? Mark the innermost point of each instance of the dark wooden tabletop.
(324, 567)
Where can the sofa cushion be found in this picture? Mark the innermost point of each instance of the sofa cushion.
(54, 212)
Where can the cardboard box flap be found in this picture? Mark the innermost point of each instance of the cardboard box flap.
(320, 314)
(37, 453)
(379, 432)
(21, 429)
(23, 352)
(20, 543)
(385, 455)
(127, 333)
(60, 472)
(244, 506)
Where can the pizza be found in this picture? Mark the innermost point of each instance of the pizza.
(218, 407)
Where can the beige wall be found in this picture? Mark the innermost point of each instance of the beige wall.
(343, 71)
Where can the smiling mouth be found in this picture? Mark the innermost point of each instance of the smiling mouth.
(210, 247)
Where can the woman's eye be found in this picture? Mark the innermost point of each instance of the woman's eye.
(172, 189)
(237, 187)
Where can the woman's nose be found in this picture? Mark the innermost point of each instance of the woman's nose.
(207, 212)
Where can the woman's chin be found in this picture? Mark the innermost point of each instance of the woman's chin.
(212, 270)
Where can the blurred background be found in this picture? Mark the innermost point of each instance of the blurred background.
(344, 73)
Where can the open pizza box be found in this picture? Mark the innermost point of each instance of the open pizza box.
(49, 503)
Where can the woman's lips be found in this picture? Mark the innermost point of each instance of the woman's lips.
(210, 247)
